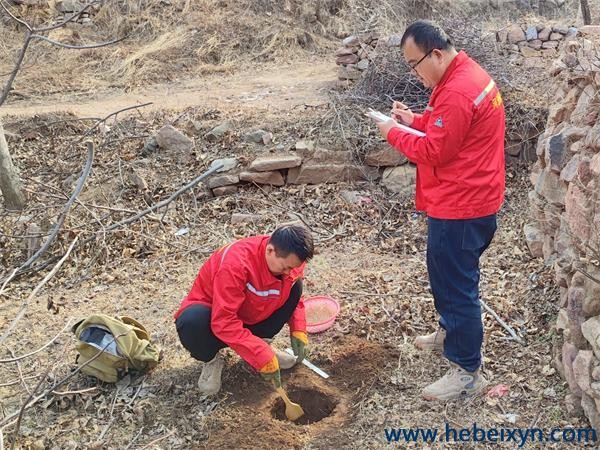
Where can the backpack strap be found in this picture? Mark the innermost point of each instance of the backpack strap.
(139, 329)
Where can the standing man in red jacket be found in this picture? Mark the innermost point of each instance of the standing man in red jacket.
(243, 295)
(460, 185)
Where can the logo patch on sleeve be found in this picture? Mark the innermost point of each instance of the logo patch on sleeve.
(438, 122)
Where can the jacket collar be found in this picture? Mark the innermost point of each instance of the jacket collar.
(458, 60)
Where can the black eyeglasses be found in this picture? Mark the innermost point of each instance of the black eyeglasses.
(413, 67)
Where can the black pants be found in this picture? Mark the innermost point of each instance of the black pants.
(195, 332)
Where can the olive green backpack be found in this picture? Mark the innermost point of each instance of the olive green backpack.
(110, 347)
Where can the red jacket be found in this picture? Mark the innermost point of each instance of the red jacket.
(237, 284)
(460, 161)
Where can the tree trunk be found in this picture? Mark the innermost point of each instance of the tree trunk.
(585, 12)
(10, 185)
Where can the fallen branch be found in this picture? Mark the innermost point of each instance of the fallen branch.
(165, 202)
(9, 420)
(22, 411)
(18, 358)
(502, 322)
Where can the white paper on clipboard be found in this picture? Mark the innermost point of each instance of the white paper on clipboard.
(380, 117)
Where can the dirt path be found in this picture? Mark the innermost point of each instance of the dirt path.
(269, 90)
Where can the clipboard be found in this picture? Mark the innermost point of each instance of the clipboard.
(380, 117)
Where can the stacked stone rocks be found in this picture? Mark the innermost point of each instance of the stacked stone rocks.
(355, 55)
(534, 41)
(307, 164)
(565, 217)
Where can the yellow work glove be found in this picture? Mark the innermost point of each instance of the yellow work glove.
(299, 340)
(270, 372)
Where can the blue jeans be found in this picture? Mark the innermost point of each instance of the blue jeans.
(453, 251)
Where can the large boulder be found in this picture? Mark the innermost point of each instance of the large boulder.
(171, 139)
(400, 179)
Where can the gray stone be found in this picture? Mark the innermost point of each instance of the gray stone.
(305, 145)
(551, 187)
(591, 302)
(399, 179)
(275, 162)
(550, 45)
(591, 411)
(569, 353)
(531, 33)
(225, 190)
(66, 6)
(343, 51)
(173, 140)
(560, 29)
(351, 41)
(544, 35)
(535, 44)
(573, 404)
(582, 370)
(346, 59)
(219, 131)
(222, 180)
(272, 178)
(385, 156)
(258, 137)
(534, 238)
(572, 31)
(570, 170)
(591, 331)
(562, 320)
(363, 64)
(150, 146)
(237, 218)
(227, 163)
(515, 34)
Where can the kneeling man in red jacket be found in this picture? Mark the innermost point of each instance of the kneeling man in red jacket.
(243, 295)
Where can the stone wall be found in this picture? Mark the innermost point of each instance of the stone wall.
(534, 41)
(303, 163)
(565, 216)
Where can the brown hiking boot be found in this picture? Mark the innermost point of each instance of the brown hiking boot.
(209, 382)
(456, 383)
(432, 342)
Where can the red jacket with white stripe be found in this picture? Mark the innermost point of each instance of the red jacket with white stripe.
(236, 283)
(460, 161)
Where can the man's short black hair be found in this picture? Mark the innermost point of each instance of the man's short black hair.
(427, 36)
(293, 239)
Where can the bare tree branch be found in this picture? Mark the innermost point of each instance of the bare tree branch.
(16, 19)
(9, 420)
(165, 202)
(18, 63)
(76, 47)
(18, 358)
